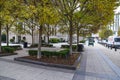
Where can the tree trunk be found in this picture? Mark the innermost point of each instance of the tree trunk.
(7, 36)
(55, 31)
(48, 38)
(32, 32)
(70, 33)
(39, 43)
(0, 36)
(48, 33)
(32, 37)
(77, 37)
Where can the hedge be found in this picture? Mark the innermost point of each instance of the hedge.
(54, 40)
(82, 41)
(16, 47)
(34, 45)
(47, 45)
(43, 44)
(32, 52)
(74, 47)
(7, 49)
(62, 53)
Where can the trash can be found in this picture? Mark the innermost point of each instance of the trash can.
(80, 47)
(25, 45)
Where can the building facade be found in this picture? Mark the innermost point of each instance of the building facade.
(115, 25)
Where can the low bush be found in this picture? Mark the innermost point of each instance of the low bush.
(49, 53)
(54, 40)
(34, 45)
(49, 45)
(62, 53)
(12, 40)
(65, 46)
(74, 47)
(82, 41)
(32, 52)
(16, 47)
(43, 44)
(7, 49)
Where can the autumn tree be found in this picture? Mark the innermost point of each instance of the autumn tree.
(10, 17)
(43, 15)
(6, 19)
(66, 9)
(105, 33)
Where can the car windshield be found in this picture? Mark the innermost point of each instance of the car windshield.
(117, 39)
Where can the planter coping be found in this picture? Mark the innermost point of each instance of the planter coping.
(7, 54)
(71, 67)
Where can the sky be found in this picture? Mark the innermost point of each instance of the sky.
(117, 10)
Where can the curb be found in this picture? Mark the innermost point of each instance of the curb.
(72, 67)
(7, 54)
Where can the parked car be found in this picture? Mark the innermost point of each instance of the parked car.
(113, 42)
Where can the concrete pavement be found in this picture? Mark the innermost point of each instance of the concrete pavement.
(97, 63)
(113, 55)
(21, 71)
(25, 71)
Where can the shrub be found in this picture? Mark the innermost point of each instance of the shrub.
(82, 41)
(22, 41)
(16, 47)
(7, 49)
(65, 46)
(43, 44)
(32, 52)
(3, 36)
(24, 38)
(34, 45)
(74, 47)
(12, 40)
(49, 53)
(49, 45)
(62, 53)
(54, 40)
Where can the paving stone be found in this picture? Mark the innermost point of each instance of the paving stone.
(5, 78)
(95, 65)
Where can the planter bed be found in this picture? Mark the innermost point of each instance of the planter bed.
(69, 63)
(7, 54)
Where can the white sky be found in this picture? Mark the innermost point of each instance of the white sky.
(117, 10)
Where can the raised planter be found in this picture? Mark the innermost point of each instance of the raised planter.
(71, 67)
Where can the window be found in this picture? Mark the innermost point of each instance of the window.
(117, 39)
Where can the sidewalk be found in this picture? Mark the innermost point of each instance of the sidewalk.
(13, 70)
(113, 55)
(95, 65)
(5, 78)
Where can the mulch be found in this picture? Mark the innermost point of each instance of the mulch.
(56, 60)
